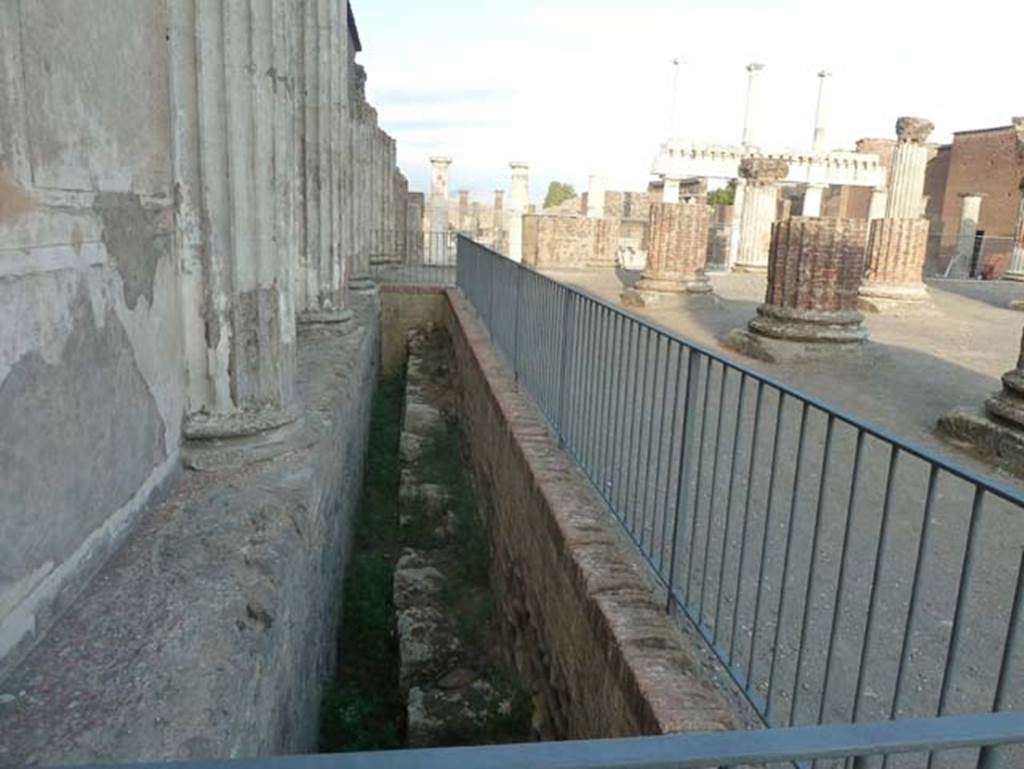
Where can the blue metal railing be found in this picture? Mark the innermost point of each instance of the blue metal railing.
(981, 734)
(837, 572)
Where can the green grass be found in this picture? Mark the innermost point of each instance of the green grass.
(362, 708)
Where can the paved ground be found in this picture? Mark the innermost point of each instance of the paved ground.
(744, 559)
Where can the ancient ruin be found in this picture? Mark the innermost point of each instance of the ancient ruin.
(761, 177)
(677, 248)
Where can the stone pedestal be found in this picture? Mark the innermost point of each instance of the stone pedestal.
(813, 275)
(236, 178)
(909, 162)
(762, 176)
(895, 263)
(997, 433)
(970, 210)
(677, 251)
(1016, 271)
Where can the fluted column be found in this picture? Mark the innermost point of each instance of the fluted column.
(814, 271)
(738, 198)
(677, 250)
(519, 196)
(1016, 271)
(895, 262)
(762, 176)
(909, 163)
(234, 165)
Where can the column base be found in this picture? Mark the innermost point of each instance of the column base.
(362, 284)
(884, 298)
(757, 269)
(217, 441)
(648, 293)
(809, 326)
(991, 439)
(1014, 276)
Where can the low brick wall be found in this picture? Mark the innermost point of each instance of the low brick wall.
(569, 242)
(590, 638)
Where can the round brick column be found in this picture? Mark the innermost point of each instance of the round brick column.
(896, 252)
(1008, 404)
(814, 270)
(677, 249)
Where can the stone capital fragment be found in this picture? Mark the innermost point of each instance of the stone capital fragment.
(763, 170)
(914, 129)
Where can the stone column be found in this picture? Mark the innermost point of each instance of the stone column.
(895, 263)
(909, 162)
(438, 208)
(519, 199)
(762, 175)
(1016, 271)
(738, 199)
(753, 81)
(814, 271)
(970, 209)
(677, 250)
(498, 224)
(812, 199)
(235, 178)
(818, 144)
(670, 191)
(595, 196)
(463, 210)
(876, 208)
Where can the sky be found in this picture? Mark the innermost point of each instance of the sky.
(580, 87)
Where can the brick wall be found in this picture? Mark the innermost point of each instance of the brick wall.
(591, 640)
(570, 242)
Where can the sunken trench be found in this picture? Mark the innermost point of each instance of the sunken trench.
(489, 597)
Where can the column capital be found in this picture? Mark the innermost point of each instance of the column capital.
(755, 66)
(763, 169)
(913, 129)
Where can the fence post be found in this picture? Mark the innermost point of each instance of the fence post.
(515, 325)
(692, 365)
(568, 321)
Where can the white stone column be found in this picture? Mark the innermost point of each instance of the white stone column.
(234, 168)
(812, 199)
(818, 144)
(738, 200)
(879, 198)
(753, 83)
(670, 191)
(438, 208)
(970, 210)
(595, 196)
(519, 199)
(1016, 271)
(909, 162)
(759, 209)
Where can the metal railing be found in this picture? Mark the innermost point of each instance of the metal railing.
(715, 750)
(424, 259)
(838, 573)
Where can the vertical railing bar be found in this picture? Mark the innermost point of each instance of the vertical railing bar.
(826, 466)
(568, 312)
(649, 417)
(604, 386)
(662, 418)
(585, 374)
(741, 404)
(758, 400)
(611, 392)
(787, 556)
(631, 452)
(692, 363)
(880, 552)
(515, 327)
(613, 456)
(763, 566)
(666, 505)
(699, 467)
(625, 448)
(723, 381)
(588, 403)
(639, 416)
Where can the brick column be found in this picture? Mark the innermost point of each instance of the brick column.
(909, 162)
(1016, 271)
(895, 262)
(677, 249)
(814, 271)
(762, 176)
(1008, 403)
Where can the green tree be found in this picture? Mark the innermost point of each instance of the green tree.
(558, 192)
(723, 196)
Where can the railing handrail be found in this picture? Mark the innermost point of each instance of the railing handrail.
(991, 485)
(672, 751)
